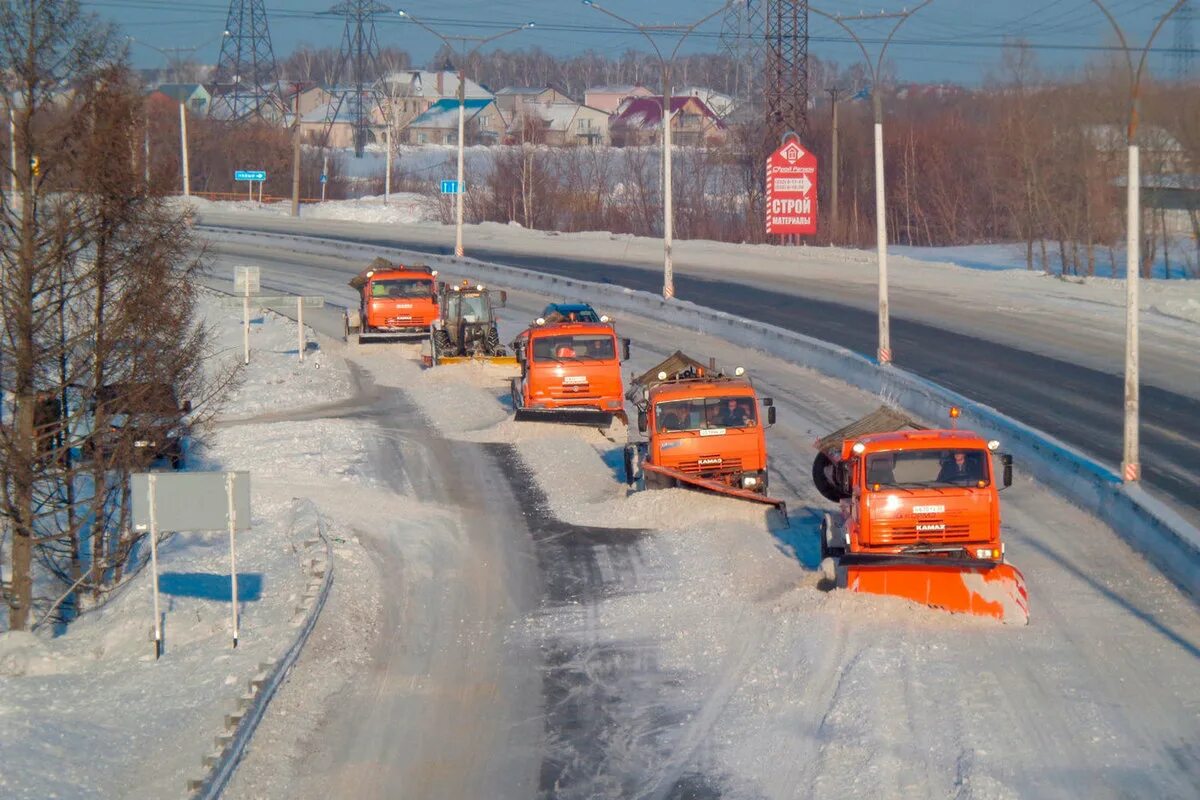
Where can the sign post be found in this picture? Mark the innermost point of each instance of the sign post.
(190, 501)
(251, 176)
(791, 190)
(246, 281)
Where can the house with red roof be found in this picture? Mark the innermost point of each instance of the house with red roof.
(638, 122)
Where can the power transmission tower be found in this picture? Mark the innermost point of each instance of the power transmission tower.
(356, 92)
(786, 81)
(741, 39)
(246, 83)
(1185, 42)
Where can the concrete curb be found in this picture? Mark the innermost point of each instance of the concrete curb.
(308, 535)
(1148, 524)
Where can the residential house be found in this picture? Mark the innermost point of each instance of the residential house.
(193, 95)
(410, 93)
(721, 104)
(439, 124)
(341, 128)
(608, 98)
(559, 125)
(512, 100)
(638, 121)
(312, 97)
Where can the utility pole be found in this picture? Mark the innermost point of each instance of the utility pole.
(834, 165)
(786, 67)
(463, 56)
(357, 67)
(1131, 468)
(245, 78)
(883, 353)
(183, 146)
(296, 154)
(666, 62)
(387, 169)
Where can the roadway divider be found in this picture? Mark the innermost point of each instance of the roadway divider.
(1148, 524)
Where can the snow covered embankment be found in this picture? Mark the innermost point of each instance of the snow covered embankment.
(90, 713)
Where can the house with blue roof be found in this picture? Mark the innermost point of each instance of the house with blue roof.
(439, 125)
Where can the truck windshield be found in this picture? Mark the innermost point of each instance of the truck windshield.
(912, 469)
(402, 287)
(575, 347)
(706, 413)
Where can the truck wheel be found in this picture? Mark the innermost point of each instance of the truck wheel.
(822, 475)
(516, 394)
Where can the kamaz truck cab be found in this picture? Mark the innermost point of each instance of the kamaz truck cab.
(395, 302)
(570, 372)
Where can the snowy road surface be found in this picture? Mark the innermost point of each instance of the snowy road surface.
(1046, 352)
(671, 644)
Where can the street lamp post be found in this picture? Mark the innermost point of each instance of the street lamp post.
(1131, 468)
(875, 67)
(666, 63)
(463, 55)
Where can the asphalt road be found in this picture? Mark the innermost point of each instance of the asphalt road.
(1080, 405)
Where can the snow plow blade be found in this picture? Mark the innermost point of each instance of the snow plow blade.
(584, 416)
(505, 360)
(978, 587)
(392, 336)
(716, 487)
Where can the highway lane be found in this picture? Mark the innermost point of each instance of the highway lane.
(1080, 405)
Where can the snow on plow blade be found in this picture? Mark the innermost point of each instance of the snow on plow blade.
(716, 487)
(568, 416)
(504, 360)
(981, 588)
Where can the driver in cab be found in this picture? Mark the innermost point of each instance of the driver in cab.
(734, 414)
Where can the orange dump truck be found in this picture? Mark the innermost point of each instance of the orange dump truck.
(570, 372)
(395, 302)
(919, 516)
(705, 431)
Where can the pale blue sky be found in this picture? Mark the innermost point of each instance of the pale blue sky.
(950, 40)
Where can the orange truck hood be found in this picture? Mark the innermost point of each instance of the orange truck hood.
(943, 515)
(692, 449)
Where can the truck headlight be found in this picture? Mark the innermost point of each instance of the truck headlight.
(749, 481)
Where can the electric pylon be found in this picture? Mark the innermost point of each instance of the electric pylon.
(1185, 42)
(785, 27)
(245, 78)
(356, 91)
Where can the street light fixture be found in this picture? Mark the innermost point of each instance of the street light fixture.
(1131, 468)
(875, 68)
(667, 64)
(463, 55)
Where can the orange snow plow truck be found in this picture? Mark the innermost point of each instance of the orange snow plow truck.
(705, 430)
(395, 302)
(570, 372)
(919, 516)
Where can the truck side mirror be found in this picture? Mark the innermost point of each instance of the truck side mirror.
(770, 415)
(624, 349)
(768, 401)
(1007, 461)
(519, 352)
(643, 421)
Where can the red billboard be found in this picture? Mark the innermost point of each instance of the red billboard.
(792, 190)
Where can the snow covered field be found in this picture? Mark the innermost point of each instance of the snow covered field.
(90, 713)
(691, 651)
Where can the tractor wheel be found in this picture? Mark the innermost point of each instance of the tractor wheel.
(442, 346)
(492, 343)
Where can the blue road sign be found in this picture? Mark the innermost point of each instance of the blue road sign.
(451, 187)
(324, 179)
(250, 175)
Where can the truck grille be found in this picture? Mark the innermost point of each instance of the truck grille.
(907, 533)
(712, 465)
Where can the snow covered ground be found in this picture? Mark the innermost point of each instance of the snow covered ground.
(90, 713)
(401, 208)
(693, 654)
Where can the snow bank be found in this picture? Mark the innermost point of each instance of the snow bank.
(90, 712)
(402, 208)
